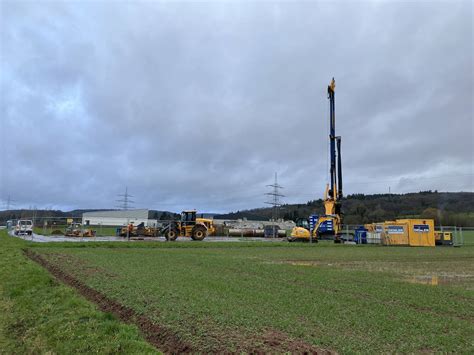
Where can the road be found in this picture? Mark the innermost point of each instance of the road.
(60, 238)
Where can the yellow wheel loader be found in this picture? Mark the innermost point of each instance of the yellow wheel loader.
(189, 226)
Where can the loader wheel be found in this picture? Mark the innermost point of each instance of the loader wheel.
(171, 235)
(199, 233)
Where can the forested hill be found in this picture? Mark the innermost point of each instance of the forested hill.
(447, 208)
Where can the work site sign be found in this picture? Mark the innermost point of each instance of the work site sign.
(421, 228)
(395, 229)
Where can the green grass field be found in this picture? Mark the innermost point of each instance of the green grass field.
(279, 297)
(40, 315)
(468, 237)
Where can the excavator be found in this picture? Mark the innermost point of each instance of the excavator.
(329, 225)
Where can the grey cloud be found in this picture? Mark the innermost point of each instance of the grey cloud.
(198, 104)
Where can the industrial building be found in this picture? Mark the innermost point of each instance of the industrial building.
(117, 218)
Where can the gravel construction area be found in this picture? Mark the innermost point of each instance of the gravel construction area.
(60, 238)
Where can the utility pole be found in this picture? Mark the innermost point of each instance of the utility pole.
(275, 200)
(125, 200)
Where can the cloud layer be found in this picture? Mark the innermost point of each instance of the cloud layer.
(196, 105)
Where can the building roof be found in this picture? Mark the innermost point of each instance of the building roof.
(141, 214)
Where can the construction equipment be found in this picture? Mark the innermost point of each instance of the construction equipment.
(443, 238)
(145, 231)
(75, 230)
(329, 225)
(302, 231)
(138, 231)
(189, 226)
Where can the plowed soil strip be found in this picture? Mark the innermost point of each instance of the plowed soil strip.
(163, 339)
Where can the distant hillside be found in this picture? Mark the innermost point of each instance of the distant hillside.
(447, 208)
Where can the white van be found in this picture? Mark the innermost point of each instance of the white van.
(24, 226)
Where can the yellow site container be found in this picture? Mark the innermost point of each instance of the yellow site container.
(420, 232)
(395, 233)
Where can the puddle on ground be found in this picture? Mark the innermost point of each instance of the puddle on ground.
(301, 263)
(436, 280)
(294, 263)
(424, 280)
(466, 280)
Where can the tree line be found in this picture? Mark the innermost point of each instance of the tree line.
(446, 208)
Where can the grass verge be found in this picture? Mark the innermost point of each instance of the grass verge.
(40, 315)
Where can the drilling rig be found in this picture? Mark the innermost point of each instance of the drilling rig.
(329, 225)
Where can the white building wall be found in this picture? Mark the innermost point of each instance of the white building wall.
(118, 218)
(112, 221)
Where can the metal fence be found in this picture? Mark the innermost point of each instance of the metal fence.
(466, 235)
(461, 235)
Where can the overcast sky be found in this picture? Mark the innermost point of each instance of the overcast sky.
(198, 104)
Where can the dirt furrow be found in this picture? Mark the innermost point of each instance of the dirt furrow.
(160, 337)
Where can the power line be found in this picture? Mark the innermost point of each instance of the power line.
(125, 201)
(239, 193)
(9, 202)
(275, 195)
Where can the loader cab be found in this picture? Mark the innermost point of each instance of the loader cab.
(188, 217)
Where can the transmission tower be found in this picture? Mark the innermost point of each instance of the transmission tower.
(125, 200)
(9, 203)
(275, 198)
